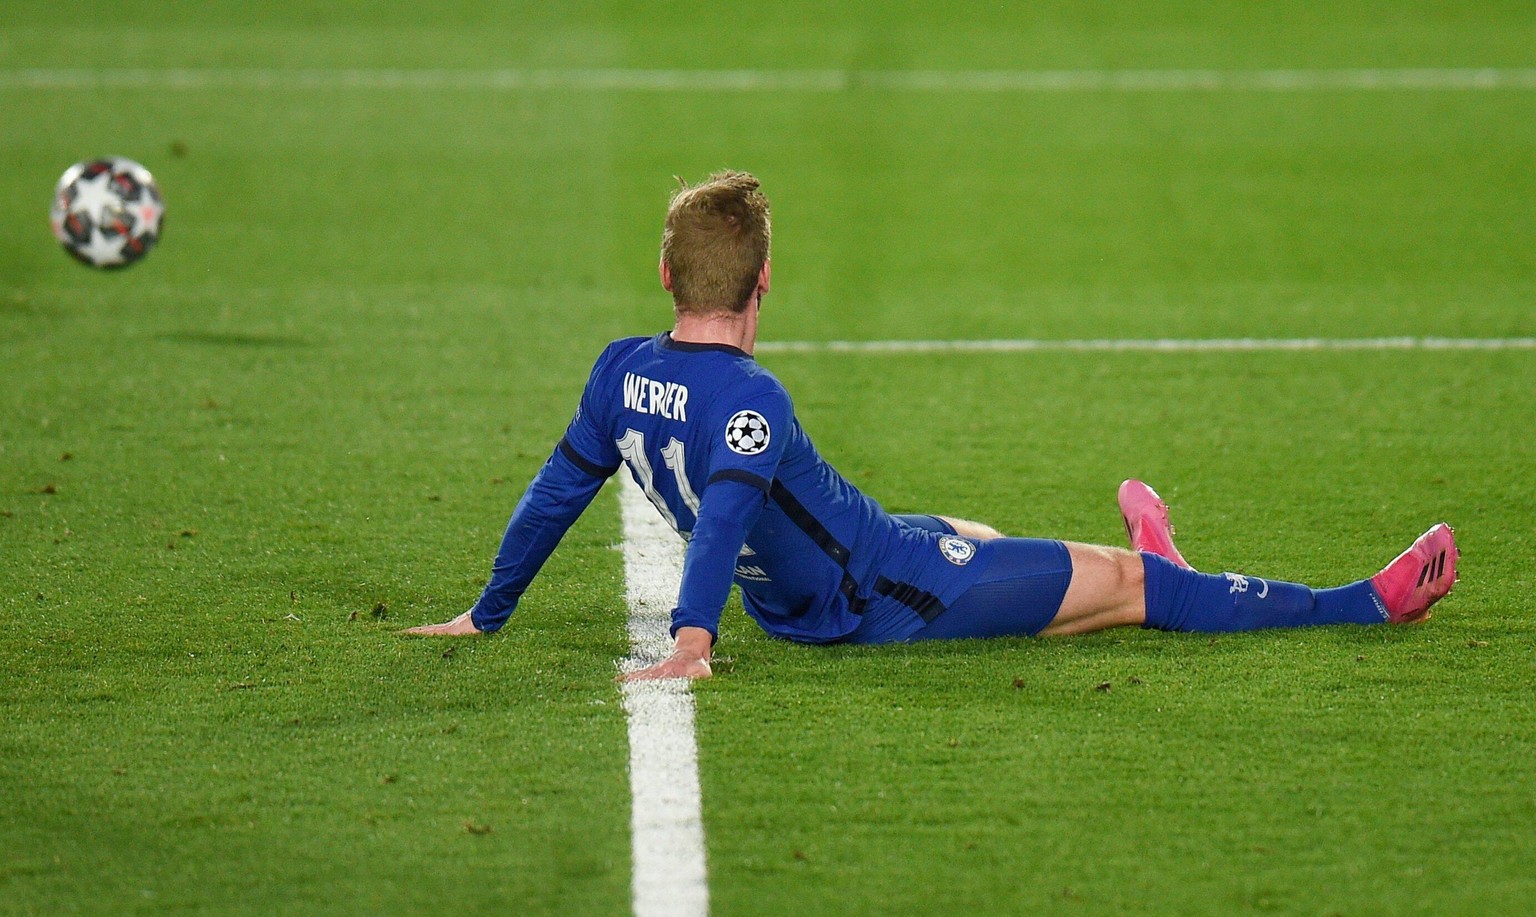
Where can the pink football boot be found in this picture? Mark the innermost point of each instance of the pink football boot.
(1419, 577)
(1146, 522)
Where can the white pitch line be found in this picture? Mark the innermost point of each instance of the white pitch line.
(1416, 79)
(666, 820)
(1149, 344)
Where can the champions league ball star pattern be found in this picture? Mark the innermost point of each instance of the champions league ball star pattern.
(107, 212)
(747, 433)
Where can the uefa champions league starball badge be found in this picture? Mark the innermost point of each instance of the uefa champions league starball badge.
(747, 433)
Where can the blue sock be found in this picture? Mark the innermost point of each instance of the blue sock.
(1179, 599)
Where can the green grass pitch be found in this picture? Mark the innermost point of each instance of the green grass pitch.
(230, 474)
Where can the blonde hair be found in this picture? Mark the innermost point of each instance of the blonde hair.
(715, 242)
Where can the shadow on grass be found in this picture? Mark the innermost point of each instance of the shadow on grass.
(1117, 649)
(233, 339)
(17, 304)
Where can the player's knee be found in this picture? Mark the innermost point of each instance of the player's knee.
(983, 532)
(977, 531)
(1127, 576)
(1133, 573)
(1106, 590)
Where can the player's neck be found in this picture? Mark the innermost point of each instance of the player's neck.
(739, 331)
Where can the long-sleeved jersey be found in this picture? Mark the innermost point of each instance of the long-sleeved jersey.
(712, 439)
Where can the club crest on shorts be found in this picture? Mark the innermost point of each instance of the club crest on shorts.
(747, 433)
(956, 550)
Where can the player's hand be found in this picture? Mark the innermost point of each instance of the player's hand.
(458, 627)
(689, 659)
(677, 665)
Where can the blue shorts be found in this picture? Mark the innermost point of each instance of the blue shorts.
(1018, 595)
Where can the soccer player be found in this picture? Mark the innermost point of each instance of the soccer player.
(712, 439)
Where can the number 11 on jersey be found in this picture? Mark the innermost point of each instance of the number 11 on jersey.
(632, 448)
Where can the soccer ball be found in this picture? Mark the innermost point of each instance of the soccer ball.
(107, 212)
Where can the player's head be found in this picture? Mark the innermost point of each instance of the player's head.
(715, 243)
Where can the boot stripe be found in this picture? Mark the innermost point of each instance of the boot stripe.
(1422, 575)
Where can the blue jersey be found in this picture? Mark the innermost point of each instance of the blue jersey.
(712, 439)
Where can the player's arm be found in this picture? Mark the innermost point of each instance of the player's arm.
(727, 511)
(559, 494)
(561, 490)
(743, 462)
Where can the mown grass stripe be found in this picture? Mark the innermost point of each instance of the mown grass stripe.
(1416, 79)
(666, 823)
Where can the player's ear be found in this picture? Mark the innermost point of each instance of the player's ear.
(666, 274)
(764, 276)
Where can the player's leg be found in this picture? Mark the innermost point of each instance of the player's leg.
(976, 531)
(1401, 592)
(1180, 599)
(949, 525)
(1037, 587)
(1053, 588)
(1020, 591)
(1108, 589)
